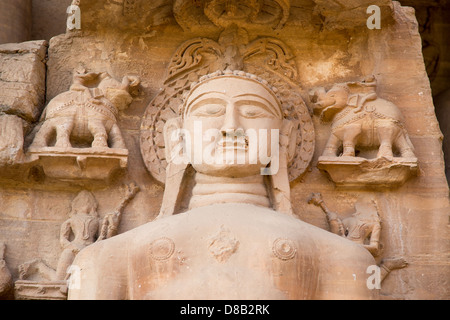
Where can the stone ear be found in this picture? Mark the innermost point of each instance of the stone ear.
(172, 137)
(176, 167)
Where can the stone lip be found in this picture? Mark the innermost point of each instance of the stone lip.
(360, 172)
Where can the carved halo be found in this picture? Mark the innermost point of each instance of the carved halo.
(265, 58)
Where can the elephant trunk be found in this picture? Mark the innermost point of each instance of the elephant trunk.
(129, 83)
(325, 103)
(318, 97)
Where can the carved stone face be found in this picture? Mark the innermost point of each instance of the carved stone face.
(235, 123)
(84, 203)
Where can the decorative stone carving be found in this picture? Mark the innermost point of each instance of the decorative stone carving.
(266, 57)
(264, 251)
(224, 13)
(223, 245)
(362, 122)
(85, 226)
(35, 290)
(253, 206)
(79, 137)
(362, 227)
(284, 249)
(162, 249)
(199, 15)
(6, 283)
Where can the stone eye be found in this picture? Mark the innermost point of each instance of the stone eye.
(249, 111)
(209, 110)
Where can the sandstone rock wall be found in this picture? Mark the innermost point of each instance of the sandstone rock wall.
(415, 217)
(16, 19)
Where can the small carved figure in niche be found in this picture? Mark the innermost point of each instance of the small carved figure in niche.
(5, 276)
(362, 227)
(361, 119)
(86, 115)
(85, 226)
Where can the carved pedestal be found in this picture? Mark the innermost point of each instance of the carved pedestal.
(32, 290)
(361, 172)
(72, 164)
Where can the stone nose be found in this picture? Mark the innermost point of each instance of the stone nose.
(231, 124)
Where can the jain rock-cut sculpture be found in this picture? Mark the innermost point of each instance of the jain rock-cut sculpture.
(368, 144)
(237, 238)
(79, 138)
(87, 111)
(362, 120)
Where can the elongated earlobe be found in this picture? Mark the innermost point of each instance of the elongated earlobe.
(280, 188)
(176, 167)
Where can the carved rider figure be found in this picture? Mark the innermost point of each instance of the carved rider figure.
(226, 228)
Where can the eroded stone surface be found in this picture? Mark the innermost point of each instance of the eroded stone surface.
(22, 78)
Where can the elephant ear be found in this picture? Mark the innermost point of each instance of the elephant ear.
(329, 113)
(353, 101)
(121, 99)
(357, 101)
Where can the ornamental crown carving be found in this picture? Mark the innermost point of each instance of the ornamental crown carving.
(268, 59)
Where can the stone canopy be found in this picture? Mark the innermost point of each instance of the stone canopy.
(141, 16)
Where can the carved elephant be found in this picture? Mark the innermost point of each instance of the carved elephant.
(361, 120)
(86, 115)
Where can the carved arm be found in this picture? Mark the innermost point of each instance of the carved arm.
(335, 223)
(65, 234)
(374, 244)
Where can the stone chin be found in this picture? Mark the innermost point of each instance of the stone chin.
(229, 170)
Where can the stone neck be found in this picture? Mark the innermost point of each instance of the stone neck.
(211, 190)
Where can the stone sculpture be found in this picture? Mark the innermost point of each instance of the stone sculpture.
(224, 13)
(237, 239)
(362, 227)
(361, 120)
(84, 224)
(86, 227)
(362, 124)
(87, 113)
(79, 139)
(6, 283)
(266, 57)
